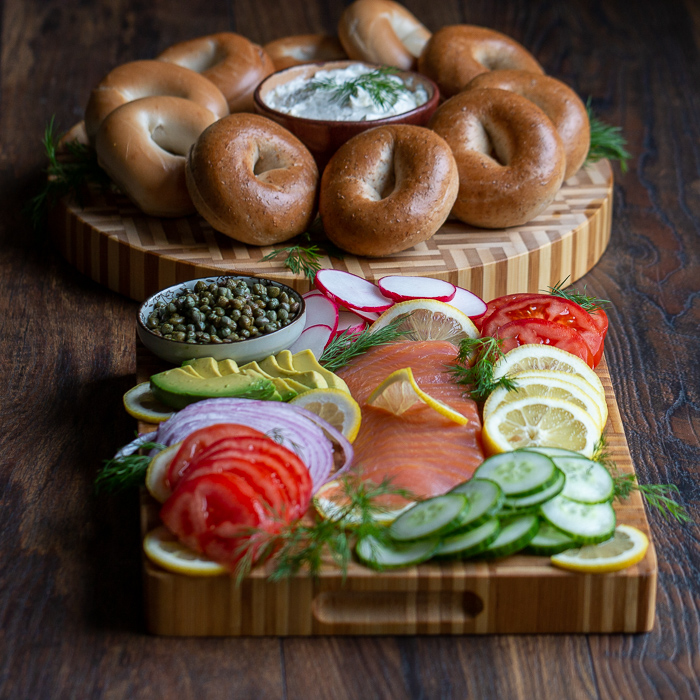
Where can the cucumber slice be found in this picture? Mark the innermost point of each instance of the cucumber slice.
(471, 542)
(484, 499)
(396, 555)
(537, 498)
(515, 535)
(519, 473)
(586, 523)
(550, 540)
(586, 481)
(429, 518)
(553, 451)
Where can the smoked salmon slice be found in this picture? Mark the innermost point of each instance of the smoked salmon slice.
(420, 450)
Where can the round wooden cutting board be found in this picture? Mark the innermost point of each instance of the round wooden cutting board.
(113, 243)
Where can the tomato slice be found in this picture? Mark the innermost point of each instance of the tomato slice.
(527, 331)
(496, 304)
(549, 308)
(199, 440)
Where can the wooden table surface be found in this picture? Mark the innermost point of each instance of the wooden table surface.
(71, 622)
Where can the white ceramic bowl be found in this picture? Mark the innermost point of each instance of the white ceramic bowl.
(241, 351)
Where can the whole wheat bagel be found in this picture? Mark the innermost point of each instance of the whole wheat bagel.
(509, 156)
(137, 79)
(143, 146)
(387, 189)
(233, 63)
(382, 31)
(253, 180)
(304, 48)
(456, 54)
(557, 100)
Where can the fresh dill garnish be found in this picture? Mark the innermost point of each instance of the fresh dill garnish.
(606, 141)
(380, 85)
(661, 497)
(128, 471)
(348, 345)
(586, 302)
(64, 176)
(475, 366)
(306, 544)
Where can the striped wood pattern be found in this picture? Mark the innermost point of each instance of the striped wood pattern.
(520, 594)
(113, 243)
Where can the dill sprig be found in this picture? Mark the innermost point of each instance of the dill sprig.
(304, 257)
(474, 367)
(380, 85)
(585, 301)
(64, 176)
(348, 345)
(127, 471)
(606, 141)
(661, 497)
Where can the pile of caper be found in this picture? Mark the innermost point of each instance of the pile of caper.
(213, 313)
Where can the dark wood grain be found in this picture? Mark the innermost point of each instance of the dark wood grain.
(70, 593)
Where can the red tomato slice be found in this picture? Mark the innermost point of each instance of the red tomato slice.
(199, 440)
(214, 514)
(548, 308)
(528, 331)
(496, 304)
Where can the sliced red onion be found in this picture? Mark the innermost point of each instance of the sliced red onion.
(136, 444)
(301, 431)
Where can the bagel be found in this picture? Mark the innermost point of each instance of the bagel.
(510, 158)
(233, 63)
(143, 146)
(557, 100)
(382, 31)
(387, 189)
(456, 54)
(137, 79)
(252, 180)
(304, 48)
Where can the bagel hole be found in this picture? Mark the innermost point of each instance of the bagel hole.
(268, 160)
(491, 141)
(173, 140)
(381, 182)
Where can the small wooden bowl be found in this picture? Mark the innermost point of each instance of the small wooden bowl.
(324, 137)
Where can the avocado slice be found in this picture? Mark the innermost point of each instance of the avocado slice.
(178, 388)
(204, 366)
(284, 360)
(228, 367)
(306, 361)
(284, 390)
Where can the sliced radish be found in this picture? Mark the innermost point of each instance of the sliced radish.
(401, 288)
(468, 303)
(352, 291)
(314, 338)
(350, 323)
(369, 316)
(320, 310)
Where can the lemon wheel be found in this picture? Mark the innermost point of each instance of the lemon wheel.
(140, 403)
(335, 406)
(165, 550)
(155, 474)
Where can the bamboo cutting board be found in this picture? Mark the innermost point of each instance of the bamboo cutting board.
(519, 594)
(113, 243)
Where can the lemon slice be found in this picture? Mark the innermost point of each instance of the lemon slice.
(335, 406)
(547, 357)
(427, 319)
(540, 422)
(155, 474)
(625, 548)
(546, 384)
(140, 403)
(164, 549)
(399, 392)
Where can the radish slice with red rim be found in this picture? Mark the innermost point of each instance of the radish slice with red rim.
(369, 316)
(351, 291)
(350, 323)
(468, 303)
(400, 288)
(314, 338)
(320, 310)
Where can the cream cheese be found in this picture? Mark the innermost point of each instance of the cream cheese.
(300, 98)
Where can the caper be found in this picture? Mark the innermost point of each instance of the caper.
(226, 322)
(261, 321)
(222, 302)
(175, 319)
(235, 314)
(272, 315)
(152, 322)
(244, 333)
(247, 310)
(273, 291)
(179, 336)
(273, 303)
(284, 297)
(205, 338)
(270, 328)
(200, 286)
(282, 314)
(237, 303)
(167, 328)
(180, 327)
(285, 305)
(245, 322)
(225, 332)
(294, 306)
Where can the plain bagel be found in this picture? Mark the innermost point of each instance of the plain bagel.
(233, 63)
(456, 54)
(304, 48)
(387, 189)
(382, 31)
(510, 158)
(253, 180)
(143, 146)
(137, 79)
(557, 100)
